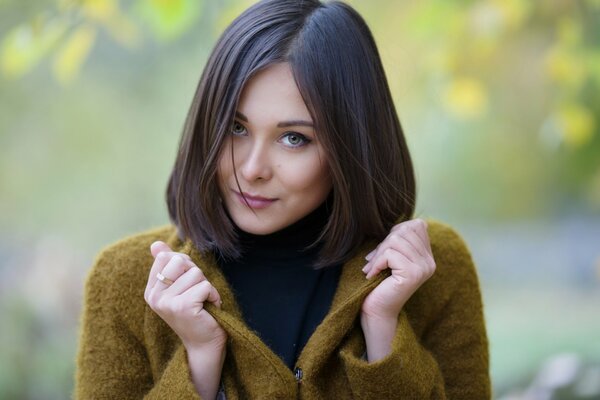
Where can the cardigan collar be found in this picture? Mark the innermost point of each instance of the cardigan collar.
(342, 316)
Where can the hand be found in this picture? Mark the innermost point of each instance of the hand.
(407, 252)
(181, 304)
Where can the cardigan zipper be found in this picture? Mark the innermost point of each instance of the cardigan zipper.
(298, 374)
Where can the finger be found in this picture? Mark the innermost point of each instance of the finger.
(410, 243)
(416, 232)
(419, 226)
(160, 261)
(157, 247)
(176, 267)
(369, 256)
(387, 257)
(401, 242)
(201, 293)
(189, 278)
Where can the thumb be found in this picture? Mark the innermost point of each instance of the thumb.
(157, 247)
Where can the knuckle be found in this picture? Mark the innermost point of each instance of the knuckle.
(161, 304)
(404, 228)
(151, 299)
(195, 273)
(432, 270)
(205, 284)
(398, 226)
(162, 257)
(421, 223)
(183, 255)
(432, 263)
(177, 259)
(397, 239)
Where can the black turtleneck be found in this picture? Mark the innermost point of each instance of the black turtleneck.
(281, 296)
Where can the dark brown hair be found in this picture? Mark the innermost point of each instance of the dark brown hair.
(338, 71)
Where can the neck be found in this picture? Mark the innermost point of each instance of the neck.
(293, 240)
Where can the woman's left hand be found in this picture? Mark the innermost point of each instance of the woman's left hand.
(407, 252)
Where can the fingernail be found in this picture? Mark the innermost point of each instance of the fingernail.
(368, 256)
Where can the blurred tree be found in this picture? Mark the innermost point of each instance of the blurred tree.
(522, 76)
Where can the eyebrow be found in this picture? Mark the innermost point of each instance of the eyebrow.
(282, 124)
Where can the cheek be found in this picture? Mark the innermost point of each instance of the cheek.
(305, 177)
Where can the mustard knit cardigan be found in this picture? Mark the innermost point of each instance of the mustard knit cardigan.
(440, 350)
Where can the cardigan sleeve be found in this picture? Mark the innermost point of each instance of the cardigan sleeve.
(112, 361)
(450, 359)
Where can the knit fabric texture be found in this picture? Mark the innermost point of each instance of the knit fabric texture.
(440, 349)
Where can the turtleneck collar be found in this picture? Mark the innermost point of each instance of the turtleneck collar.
(290, 241)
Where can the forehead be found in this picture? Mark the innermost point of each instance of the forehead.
(272, 94)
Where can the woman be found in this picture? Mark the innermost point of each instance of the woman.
(292, 268)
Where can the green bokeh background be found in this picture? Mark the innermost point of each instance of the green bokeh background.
(500, 105)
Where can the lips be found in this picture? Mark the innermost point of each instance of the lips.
(255, 201)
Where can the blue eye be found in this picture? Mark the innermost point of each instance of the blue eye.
(238, 129)
(294, 139)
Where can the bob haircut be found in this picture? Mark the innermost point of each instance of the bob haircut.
(338, 71)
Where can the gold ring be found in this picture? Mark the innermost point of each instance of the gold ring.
(164, 279)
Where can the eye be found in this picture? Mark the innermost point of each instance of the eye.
(294, 139)
(238, 129)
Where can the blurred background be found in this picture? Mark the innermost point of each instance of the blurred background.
(499, 100)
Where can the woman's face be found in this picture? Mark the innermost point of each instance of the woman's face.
(281, 167)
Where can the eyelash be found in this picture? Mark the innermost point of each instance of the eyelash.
(303, 138)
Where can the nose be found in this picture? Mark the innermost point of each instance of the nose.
(256, 164)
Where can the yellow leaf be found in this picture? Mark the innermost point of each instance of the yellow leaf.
(71, 56)
(514, 12)
(118, 25)
(24, 46)
(100, 10)
(577, 124)
(564, 67)
(168, 19)
(123, 30)
(465, 98)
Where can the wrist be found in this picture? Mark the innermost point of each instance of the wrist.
(373, 323)
(379, 334)
(206, 363)
(377, 314)
(212, 348)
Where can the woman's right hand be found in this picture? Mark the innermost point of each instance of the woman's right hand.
(181, 304)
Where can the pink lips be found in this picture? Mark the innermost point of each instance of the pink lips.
(255, 201)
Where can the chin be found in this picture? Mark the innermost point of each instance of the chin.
(256, 226)
(259, 229)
